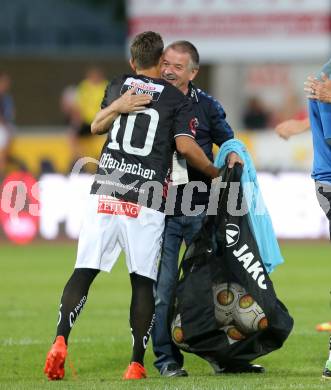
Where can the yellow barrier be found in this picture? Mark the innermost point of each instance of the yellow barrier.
(33, 149)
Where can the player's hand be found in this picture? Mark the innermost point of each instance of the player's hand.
(234, 158)
(291, 127)
(129, 102)
(318, 89)
(284, 129)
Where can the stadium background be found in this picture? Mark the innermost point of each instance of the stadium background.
(261, 48)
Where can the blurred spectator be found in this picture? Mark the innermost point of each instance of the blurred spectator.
(68, 105)
(80, 106)
(255, 116)
(7, 115)
(71, 118)
(292, 108)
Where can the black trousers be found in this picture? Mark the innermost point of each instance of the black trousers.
(323, 193)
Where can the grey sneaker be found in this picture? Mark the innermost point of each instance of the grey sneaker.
(172, 370)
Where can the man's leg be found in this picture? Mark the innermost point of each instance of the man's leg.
(164, 349)
(323, 193)
(72, 302)
(192, 225)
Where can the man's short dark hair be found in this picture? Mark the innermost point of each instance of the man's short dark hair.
(187, 47)
(147, 49)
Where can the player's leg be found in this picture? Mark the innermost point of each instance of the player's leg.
(141, 239)
(73, 299)
(141, 322)
(141, 314)
(169, 360)
(323, 193)
(98, 249)
(327, 368)
(72, 303)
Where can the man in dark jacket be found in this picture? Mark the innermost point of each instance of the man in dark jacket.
(180, 66)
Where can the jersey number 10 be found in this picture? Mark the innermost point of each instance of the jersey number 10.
(128, 130)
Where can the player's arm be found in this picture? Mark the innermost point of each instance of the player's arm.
(104, 119)
(128, 102)
(292, 127)
(195, 156)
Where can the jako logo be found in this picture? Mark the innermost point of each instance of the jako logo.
(232, 234)
(254, 268)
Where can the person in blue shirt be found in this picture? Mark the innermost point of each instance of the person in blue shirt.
(180, 66)
(318, 91)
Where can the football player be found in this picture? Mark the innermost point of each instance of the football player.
(146, 119)
(318, 91)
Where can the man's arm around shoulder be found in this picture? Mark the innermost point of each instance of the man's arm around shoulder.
(128, 102)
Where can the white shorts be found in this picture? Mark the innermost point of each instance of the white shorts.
(110, 226)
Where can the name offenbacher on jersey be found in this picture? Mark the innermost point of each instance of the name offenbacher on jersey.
(107, 161)
(111, 185)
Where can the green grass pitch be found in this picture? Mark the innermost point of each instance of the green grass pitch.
(32, 279)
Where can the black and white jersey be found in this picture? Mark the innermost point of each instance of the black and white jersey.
(137, 155)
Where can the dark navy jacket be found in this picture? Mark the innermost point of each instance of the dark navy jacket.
(212, 128)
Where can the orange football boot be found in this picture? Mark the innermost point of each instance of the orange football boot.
(324, 327)
(135, 371)
(54, 366)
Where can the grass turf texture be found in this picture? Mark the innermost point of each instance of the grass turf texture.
(32, 279)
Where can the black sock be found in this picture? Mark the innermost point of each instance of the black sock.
(141, 314)
(73, 299)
